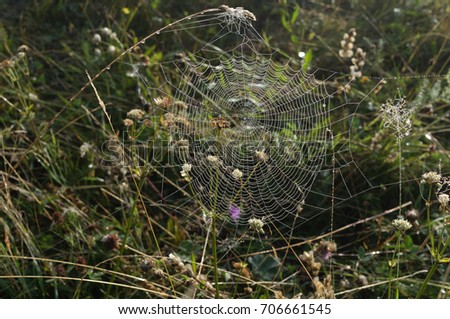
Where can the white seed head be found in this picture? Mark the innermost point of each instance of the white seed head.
(96, 39)
(401, 224)
(256, 224)
(443, 200)
(186, 168)
(136, 114)
(128, 122)
(84, 148)
(213, 159)
(237, 174)
(431, 178)
(262, 156)
(105, 31)
(111, 49)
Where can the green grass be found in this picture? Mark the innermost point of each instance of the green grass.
(73, 227)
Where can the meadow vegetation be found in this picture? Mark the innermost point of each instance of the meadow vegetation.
(72, 227)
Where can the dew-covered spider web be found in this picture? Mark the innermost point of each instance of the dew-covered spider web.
(246, 130)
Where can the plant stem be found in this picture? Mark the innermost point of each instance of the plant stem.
(427, 279)
(391, 266)
(214, 248)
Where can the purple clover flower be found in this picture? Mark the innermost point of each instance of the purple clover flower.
(235, 213)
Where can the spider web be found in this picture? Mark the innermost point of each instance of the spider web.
(247, 130)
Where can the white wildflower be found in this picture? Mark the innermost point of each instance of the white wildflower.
(443, 200)
(256, 224)
(105, 31)
(397, 117)
(401, 224)
(97, 52)
(136, 114)
(262, 156)
(33, 97)
(96, 39)
(111, 49)
(237, 174)
(431, 178)
(128, 122)
(84, 148)
(186, 168)
(213, 159)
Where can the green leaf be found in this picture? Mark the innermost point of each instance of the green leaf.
(295, 14)
(408, 242)
(307, 60)
(361, 252)
(285, 23)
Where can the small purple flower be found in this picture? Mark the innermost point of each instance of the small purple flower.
(235, 213)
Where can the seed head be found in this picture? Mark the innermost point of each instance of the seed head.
(186, 168)
(128, 122)
(136, 114)
(401, 224)
(261, 156)
(213, 159)
(96, 39)
(443, 201)
(431, 178)
(237, 174)
(257, 225)
(111, 241)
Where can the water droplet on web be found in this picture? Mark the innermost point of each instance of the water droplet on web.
(157, 32)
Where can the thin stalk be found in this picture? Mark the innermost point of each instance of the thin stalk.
(433, 268)
(214, 248)
(427, 279)
(400, 176)
(391, 266)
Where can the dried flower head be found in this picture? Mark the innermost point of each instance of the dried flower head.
(325, 249)
(180, 105)
(261, 156)
(220, 122)
(443, 201)
(213, 159)
(412, 215)
(111, 241)
(111, 49)
(256, 224)
(313, 267)
(97, 52)
(136, 114)
(431, 178)
(186, 168)
(347, 44)
(96, 39)
(105, 31)
(163, 102)
(237, 174)
(401, 224)
(238, 13)
(84, 148)
(128, 122)
(397, 117)
(324, 290)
